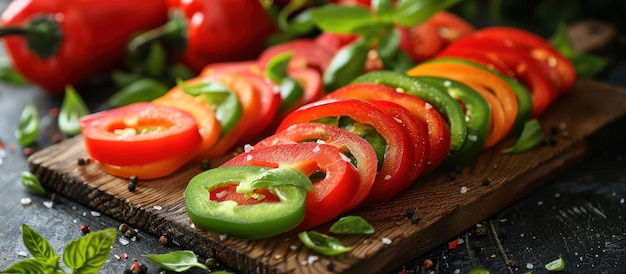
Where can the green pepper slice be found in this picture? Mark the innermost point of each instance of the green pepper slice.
(435, 96)
(478, 119)
(247, 202)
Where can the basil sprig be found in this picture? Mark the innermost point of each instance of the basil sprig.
(72, 109)
(290, 90)
(84, 255)
(322, 243)
(177, 261)
(351, 225)
(375, 27)
(28, 127)
(531, 137)
(585, 64)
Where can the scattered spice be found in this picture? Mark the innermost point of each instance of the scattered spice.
(28, 151)
(511, 263)
(123, 256)
(210, 262)
(428, 263)
(132, 183)
(481, 230)
(84, 229)
(130, 233)
(451, 176)
(123, 227)
(410, 213)
(57, 138)
(453, 244)
(82, 161)
(206, 164)
(486, 181)
(330, 266)
(53, 112)
(478, 245)
(164, 240)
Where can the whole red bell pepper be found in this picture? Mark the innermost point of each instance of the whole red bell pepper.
(208, 31)
(55, 43)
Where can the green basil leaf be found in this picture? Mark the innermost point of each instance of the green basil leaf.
(384, 9)
(556, 265)
(31, 182)
(122, 79)
(347, 64)
(478, 271)
(412, 12)
(322, 243)
(9, 75)
(276, 177)
(180, 71)
(276, 68)
(28, 127)
(142, 90)
(89, 253)
(587, 64)
(178, 261)
(531, 137)
(301, 23)
(343, 18)
(290, 89)
(352, 225)
(37, 245)
(388, 44)
(156, 61)
(29, 266)
(561, 41)
(72, 109)
(221, 99)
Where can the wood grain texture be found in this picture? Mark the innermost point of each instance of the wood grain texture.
(590, 117)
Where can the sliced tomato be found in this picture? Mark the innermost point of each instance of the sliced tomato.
(450, 26)
(351, 144)
(539, 49)
(398, 155)
(438, 134)
(145, 137)
(306, 53)
(333, 188)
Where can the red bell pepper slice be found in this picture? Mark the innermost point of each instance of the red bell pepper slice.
(398, 156)
(438, 134)
(141, 139)
(352, 144)
(306, 54)
(331, 193)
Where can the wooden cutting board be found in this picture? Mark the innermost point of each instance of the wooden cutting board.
(591, 117)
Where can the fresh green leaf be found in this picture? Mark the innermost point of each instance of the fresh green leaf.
(301, 23)
(28, 127)
(478, 271)
(9, 75)
(122, 79)
(556, 265)
(531, 137)
(31, 182)
(412, 12)
(383, 9)
(347, 64)
(29, 266)
(156, 61)
(37, 245)
(145, 89)
(72, 109)
(276, 177)
(89, 253)
(322, 243)
(178, 261)
(588, 64)
(276, 68)
(180, 71)
(221, 99)
(290, 90)
(561, 41)
(343, 18)
(352, 225)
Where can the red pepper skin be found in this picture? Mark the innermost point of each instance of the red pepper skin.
(220, 31)
(94, 37)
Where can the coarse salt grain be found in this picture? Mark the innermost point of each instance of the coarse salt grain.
(247, 148)
(26, 201)
(48, 204)
(621, 201)
(345, 158)
(472, 137)
(22, 254)
(464, 189)
(386, 240)
(123, 241)
(428, 106)
(447, 83)
(248, 157)
(95, 213)
(223, 236)
(312, 259)
(387, 177)
(320, 141)
(317, 149)
(530, 266)
(157, 207)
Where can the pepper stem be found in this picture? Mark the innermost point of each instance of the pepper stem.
(173, 32)
(43, 35)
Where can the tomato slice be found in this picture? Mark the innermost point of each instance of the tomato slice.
(141, 134)
(350, 143)
(331, 190)
(397, 161)
(450, 26)
(306, 53)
